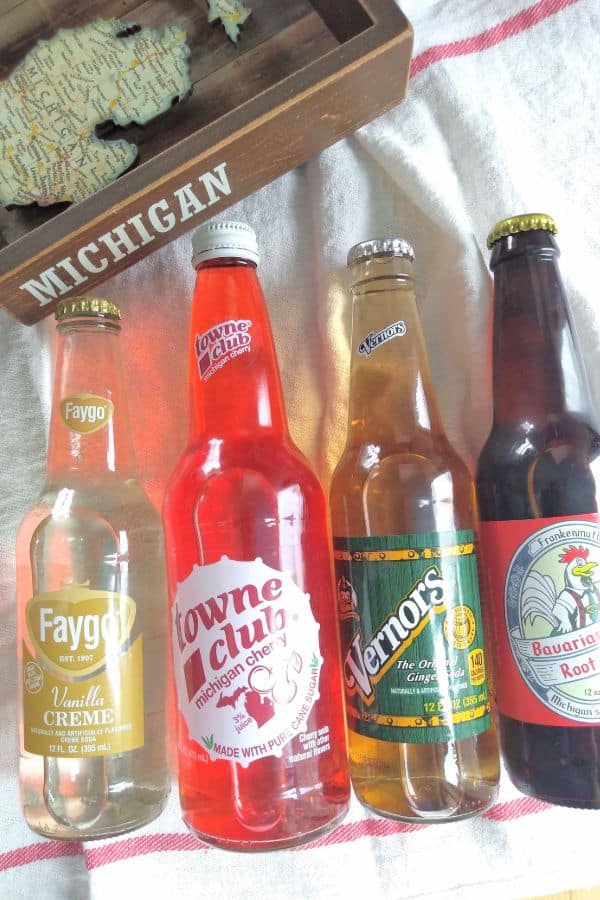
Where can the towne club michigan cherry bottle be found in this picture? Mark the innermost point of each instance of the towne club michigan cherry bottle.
(538, 484)
(262, 754)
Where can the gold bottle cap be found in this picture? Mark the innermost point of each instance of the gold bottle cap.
(87, 306)
(516, 224)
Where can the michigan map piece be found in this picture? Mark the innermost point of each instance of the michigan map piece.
(65, 87)
(232, 14)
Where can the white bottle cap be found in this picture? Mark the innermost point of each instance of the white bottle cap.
(216, 240)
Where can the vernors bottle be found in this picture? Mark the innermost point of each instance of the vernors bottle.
(262, 750)
(422, 742)
(92, 605)
(538, 481)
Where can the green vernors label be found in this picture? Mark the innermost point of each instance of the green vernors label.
(412, 637)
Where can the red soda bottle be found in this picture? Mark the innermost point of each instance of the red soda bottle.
(262, 752)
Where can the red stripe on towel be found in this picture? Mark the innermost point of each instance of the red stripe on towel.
(515, 809)
(38, 852)
(127, 848)
(142, 846)
(510, 27)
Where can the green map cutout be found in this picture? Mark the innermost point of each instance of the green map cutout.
(64, 88)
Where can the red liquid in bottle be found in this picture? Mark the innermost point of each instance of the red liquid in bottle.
(262, 753)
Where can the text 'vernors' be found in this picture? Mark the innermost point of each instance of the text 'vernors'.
(364, 665)
(374, 340)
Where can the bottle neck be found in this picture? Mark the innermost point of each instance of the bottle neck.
(538, 372)
(391, 394)
(89, 426)
(235, 387)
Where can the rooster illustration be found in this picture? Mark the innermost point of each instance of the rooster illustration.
(576, 605)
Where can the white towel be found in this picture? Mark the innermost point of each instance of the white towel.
(502, 117)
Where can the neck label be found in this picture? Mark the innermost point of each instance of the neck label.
(220, 344)
(374, 340)
(86, 413)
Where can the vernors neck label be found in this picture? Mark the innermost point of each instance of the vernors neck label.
(86, 413)
(545, 589)
(376, 339)
(247, 658)
(412, 639)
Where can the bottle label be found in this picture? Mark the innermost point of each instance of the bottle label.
(412, 639)
(374, 340)
(247, 658)
(83, 683)
(86, 413)
(544, 577)
(222, 343)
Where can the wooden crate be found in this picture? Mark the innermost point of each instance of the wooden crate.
(304, 74)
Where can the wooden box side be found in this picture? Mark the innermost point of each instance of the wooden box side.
(212, 169)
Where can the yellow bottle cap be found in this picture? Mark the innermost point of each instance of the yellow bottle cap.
(87, 306)
(516, 224)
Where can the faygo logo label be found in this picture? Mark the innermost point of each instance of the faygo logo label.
(222, 343)
(86, 413)
(75, 629)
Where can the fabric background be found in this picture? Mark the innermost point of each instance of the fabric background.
(502, 117)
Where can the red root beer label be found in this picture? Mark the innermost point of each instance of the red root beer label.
(544, 580)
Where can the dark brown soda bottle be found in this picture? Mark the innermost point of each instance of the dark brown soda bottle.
(538, 483)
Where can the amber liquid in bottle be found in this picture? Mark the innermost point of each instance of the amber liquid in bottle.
(541, 460)
(92, 540)
(399, 476)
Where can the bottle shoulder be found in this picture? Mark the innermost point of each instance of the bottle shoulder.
(430, 453)
(510, 444)
(266, 472)
(539, 472)
(402, 492)
(124, 503)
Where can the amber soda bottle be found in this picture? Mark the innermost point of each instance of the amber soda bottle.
(262, 750)
(92, 605)
(421, 738)
(538, 481)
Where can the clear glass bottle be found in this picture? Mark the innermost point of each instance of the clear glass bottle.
(261, 736)
(91, 594)
(422, 741)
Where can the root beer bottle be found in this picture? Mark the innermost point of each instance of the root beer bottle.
(538, 480)
(262, 751)
(422, 743)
